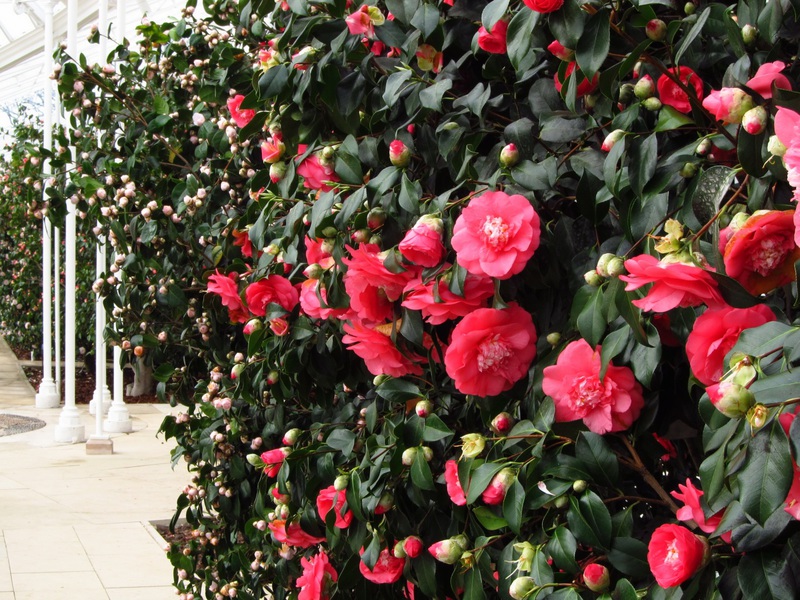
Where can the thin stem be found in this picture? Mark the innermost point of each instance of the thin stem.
(638, 466)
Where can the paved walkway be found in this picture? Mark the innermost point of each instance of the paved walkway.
(74, 525)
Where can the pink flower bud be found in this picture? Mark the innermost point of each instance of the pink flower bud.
(596, 577)
(644, 88)
(559, 51)
(502, 423)
(385, 504)
(611, 139)
(290, 437)
(509, 155)
(755, 120)
(447, 551)
(252, 325)
(237, 370)
(276, 171)
(376, 218)
(496, 492)
(412, 546)
(656, 30)
(424, 408)
(731, 399)
(399, 154)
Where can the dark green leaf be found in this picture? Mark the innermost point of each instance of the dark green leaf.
(644, 159)
(493, 12)
(669, 118)
(629, 555)
(687, 40)
(473, 585)
(593, 45)
(426, 19)
(598, 459)
(479, 480)
(513, 505)
(767, 474)
(589, 520)
(397, 390)
(591, 320)
(271, 83)
(431, 97)
(435, 429)
(711, 189)
(750, 151)
(343, 440)
(421, 473)
(562, 547)
(489, 520)
(765, 576)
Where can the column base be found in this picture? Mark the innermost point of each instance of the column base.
(106, 403)
(119, 420)
(99, 445)
(47, 396)
(69, 429)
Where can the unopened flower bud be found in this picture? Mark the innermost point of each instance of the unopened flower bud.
(611, 139)
(749, 34)
(427, 453)
(553, 338)
(656, 30)
(689, 8)
(472, 444)
(412, 546)
(615, 267)
(376, 218)
(385, 503)
(703, 148)
(340, 483)
(236, 370)
(596, 577)
(276, 171)
(521, 588)
(731, 399)
(593, 279)
(652, 104)
(399, 551)
(755, 120)
(757, 416)
(273, 377)
(509, 156)
(502, 423)
(625, 93)
(775, 147)
(424, 408)
(688, 170)
(579, 486)
(410, 455)
(447, 551)
(602, 263)
(644, 88)
(399, 154)
(253, 325)
(290, 437)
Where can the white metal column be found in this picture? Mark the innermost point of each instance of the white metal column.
(48, 395)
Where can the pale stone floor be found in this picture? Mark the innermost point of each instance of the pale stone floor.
(74, 525)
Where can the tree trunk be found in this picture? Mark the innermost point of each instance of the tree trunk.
(142, 380)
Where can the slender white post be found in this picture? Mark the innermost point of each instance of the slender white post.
(48, 396)
(57, 301)
(69, 428)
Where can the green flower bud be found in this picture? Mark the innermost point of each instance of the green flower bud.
(509, 156)
(688, 170)
(472, 444)
(749, 34)
(521, 588)
(553, 338)
(593, 279)
(340, 483)
(652, 104)
(579, 486)
(656, 30)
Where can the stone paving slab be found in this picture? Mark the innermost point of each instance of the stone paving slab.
(78, 526)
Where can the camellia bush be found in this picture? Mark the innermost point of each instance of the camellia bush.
(461, 299)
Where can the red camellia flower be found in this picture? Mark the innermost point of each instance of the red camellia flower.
(715, 332)
(495, 492)
(454, 489)
(310, 302)
(762, 252)
(240, 116)
(273, 289)
(609, 404)
(272, 150)
(585, 86)
(371, 286)
(491, 350)
(675, 554)
(672, 95)
(412, 546)
(674, 284)
(292, 534)
(493, 41)
(225, 286)
(768, 73)
(241, 239)
(496, 234)
(387, 569)
(316, 578)
(444, 305)
(316, 175)
(325, 502)
(544, 6)
(422, 244)
(596, 577)
(318, 252)
(273, 459)
(692, 509)
(376, 348)
(559, 50)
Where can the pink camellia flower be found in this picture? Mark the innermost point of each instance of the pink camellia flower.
(422, 244)
(376, 348)
(399, 154)
(329, 498)
(491, 349)
(786, 126)
(273, 459)
(412, 546)
(364, 20)
(692, 509)
(316, 175)
(317, 576)
(272, 150)
(279, 326)
(793, 497)
(310, 302)
(596, 577)
(585, 86)
(225, 286)
(443, 305)
(728, 104)
(454, 489)
(674, 284)
(544, 6)
(715, 332)
(292, 534)
(767, 74)
(371, 286)
(605, 405)
(494, 41)
(495, 492)
(273, 289)
(559, 51)
(241, 239)
(318, 252)
(496, 234)
(675, 554)
(387, 569)
(429, 58)
(240, 116)
(671, 93)
(762, 252)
